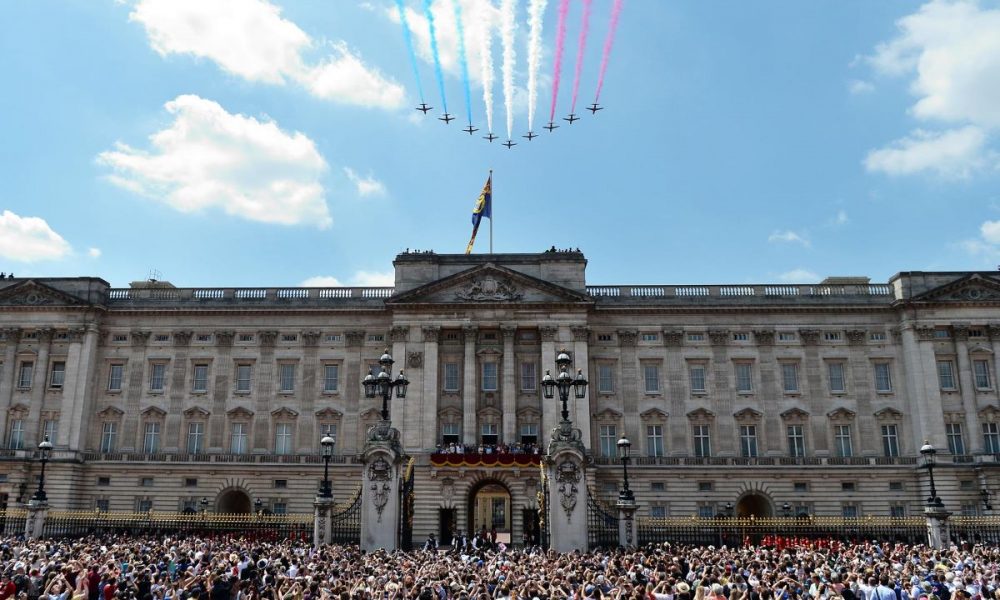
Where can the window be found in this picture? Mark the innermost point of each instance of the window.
(16, 438)
(843, 444)
(604, 337)
(658, 512)
(529, 433)
(200, 381)
(451, 377)
(849, 511)
(328, 429)
(109, 436)
(609, 440)
(969, 509)
(790, 377)
(848, 486)
(450, 433)
(744, 378)
(143, 505)
(280, 484)
(24, 375)
(489, 377)
(333, 337)
(283, 438)
(238, 438)
(895, 486)
(605, 379)
(151, 438)
(146, 482)
(103, 481)
(942, 333)
(654, 440)
(102, 505)
(58, 375)
(836, 372)
(796, 441)
(489, 433)
(657, 486)
(966, 485)
(376, 337)
(946, 374)
(748, 441)
(119, 338)
(289, 337)
(883, 378)
(161, 337)
(331, 378)
(696, 337)
(115, 373)
(786, 336)
(651, 376)
(705, 486)
(157, 376)
(800, 486)
(203, 338)
(991, 438)
(196, 438)
(877, 336)
(741, 337)
(702, 441)
(696, 373)
(650, 337)
(286, 377)
(279, 508)
(190, 482)
(529, 378)
(890, 441)
(50, 431)
(706, 511)
(246, 337)
(956, 443)
(831, 336)
(981, 369)
(244, 373)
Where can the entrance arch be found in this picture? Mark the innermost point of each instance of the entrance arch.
(490, 507)
(232, 501)
(754, 505)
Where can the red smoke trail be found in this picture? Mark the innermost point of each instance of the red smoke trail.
(584, 27)
(560, 46)
(616, 10)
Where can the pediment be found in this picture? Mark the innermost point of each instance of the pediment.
(748, 414)
(794, 414)
(528, 412)
(329, 414)
(33, 293)
(841, 414)
(18, 408)
(239, 413)
(195, 412)
(980, 349)
(888, 413)
(971, 288)
(989, 413)
(111, 412)
(653, 414)
(608, 414)
(284, 413)
(489, 284)
(154, 412)
(701, 414)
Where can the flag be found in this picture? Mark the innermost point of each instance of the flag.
(483, 208)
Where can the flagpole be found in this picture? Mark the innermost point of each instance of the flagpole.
(491, 211)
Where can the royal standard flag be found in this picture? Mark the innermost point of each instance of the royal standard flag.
(484, 204)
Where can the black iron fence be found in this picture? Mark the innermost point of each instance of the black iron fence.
(12, 521)
(602, 524)
(69, 524)
(346, 521)
(780, 531)
(975, 530)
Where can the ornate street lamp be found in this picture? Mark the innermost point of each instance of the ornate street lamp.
(929, 453)
(45, 451)
(564, 382)
(325, 490)
(985, 495)
(203, 503)
(258, 506)
(625, 454)
(729, 509)
(786, 510)
(382, 384)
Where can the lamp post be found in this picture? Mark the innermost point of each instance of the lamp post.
(624, 453)
(786, 510)
(929, 453)
(564, 382)
(203, 503)
(45, 450)
(258, 506)
(383, 383)
(729, 509)
(325, 490)
(985, 495)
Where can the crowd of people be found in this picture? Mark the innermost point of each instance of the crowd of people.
(181, 568)
(459, 448)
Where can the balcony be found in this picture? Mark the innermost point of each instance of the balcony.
(277, 297)
(241, 459)
(474, 459)
(742, 294)
(761, 461)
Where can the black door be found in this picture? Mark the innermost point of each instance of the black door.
(446, 517)
(531, 526)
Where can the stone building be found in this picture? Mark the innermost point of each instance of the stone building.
(737, 398)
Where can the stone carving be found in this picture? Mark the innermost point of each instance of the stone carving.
(182, 338)
(764, 337)
(809, 337)
(76, 335)
(139, 338)
(960, 331)
(414, 360)
(548, 334)
(225, 337)
(581, 333)
(508, 331)
(380, 474)
(993, 329)
(856, 337)
(567, 477)
(30, 297)
(673, 337)
(45, 335)
(267, 338)
(627, 337)
(470, 333)
(718, 337)
(489, 289)
(354, 338)
(383, 431)
(924, 332)
(973, 294)
(399, 333)
(431, 333)
(311, 338)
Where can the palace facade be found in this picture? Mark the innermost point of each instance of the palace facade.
(744, 399)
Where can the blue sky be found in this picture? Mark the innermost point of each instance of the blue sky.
(275, 142)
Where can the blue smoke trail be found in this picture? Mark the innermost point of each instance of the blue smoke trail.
(463, 63)
(409, 47)
(434, 51)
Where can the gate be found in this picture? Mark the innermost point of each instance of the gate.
(543, 510)
(345, 525)
(406, 507)
(602, 524)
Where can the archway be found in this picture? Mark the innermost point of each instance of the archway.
(490, 508)
(233, 501)
(754, 505)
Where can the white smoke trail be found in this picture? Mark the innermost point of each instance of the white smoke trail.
(535, 11)
(507, 25)
(486, 49)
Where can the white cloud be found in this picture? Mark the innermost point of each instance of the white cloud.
(955, 153)
(841, 218)
(94, 252)
(478, 18)
(360, 279)
(250, 39)
(208, 158)
(799, 276)
(985, 248)
(858, 87)
(366, 186)
(30, 239)
(788, 236)
(990, 231)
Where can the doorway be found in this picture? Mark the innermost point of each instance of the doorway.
(446, 520)
(532, 526)
(754, 505)
(234, 501)
(490, 508)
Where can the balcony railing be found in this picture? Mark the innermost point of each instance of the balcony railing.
(245, 295)
(763, 291)
(761, 461)
(253, 459)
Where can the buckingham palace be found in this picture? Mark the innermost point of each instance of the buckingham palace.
(770, 399)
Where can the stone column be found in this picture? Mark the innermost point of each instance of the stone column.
(628, 531)
(508, 392)
(862, 388)
(938, 532)
(12, 336)
(80, 369)
(629, 383)
(581, 409)
(34, 525)
(309, 394)
(429, 399)
(677, 437)
(178, 391)
(470, 436)
(771, 387)
(322, 525)
(993, 329)
(133, 390)
(398, 407)
(811, 382)
(222, 367)
(263, 393)
(566, 476)
(967, 387)
(354, 372)
(724, 442)
(550, 407)
(39, 383)
(382, 472)
(922, 384)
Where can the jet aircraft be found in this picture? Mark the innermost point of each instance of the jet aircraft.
(470, 129)
(572, 117)
(509, 144)
(424, 108)
(446, 118)
(551, 126)
(593, 108)
(531, 135)
(490, 137)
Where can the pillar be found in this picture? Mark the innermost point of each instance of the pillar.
(550, 408)
(938, 534)
(469, 435)
(566, 476)
(11, 336)
(508, 390)
(429, 397)
(322, 525)
(132, 394)
(382, 471)
(628, 531)
(581, 359)
(354, 372)
(39, 383)
(967, 388)
(34, 524)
